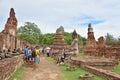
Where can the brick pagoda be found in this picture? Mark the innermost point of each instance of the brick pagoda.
(59, 42)
(91, 45)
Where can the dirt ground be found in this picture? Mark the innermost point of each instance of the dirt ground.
(46, 71)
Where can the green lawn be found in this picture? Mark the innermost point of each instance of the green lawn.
(74, 75)
(81, 54)
(17, 74)
(117, 69)
(50, 59)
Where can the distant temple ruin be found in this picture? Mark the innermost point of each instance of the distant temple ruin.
(91, 45)
(100, 49)
(59, 42)
(8, 37)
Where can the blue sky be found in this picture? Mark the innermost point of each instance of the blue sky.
(104, 15)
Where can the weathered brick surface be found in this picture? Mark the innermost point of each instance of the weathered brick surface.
(8, 36)
(95, 62)
(9, 65)
(100, 49)
(91, 46)
(59, 42)
(101, 67)
(103, 73)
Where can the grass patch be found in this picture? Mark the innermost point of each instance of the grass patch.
(74, 75)
(17, 74)
(81, 54)
(117, 69)
(50, 59)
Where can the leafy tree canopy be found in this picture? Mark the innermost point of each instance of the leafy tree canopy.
(30, 32)
(109, 39)
(48, 38)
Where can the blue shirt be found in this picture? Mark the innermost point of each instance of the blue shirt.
(25, 51)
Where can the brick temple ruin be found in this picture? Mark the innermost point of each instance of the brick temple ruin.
(91, 45)
(59, 42)
(8, 36)
(100, 49)
(9, 42)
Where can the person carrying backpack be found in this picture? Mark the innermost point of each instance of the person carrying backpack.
(26, 54)
(36, 57)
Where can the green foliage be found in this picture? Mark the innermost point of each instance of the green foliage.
(17, 74)
(30, 32)
(68, 37)
(84, 40)
(50, 59)
(74, 75)
(80, 40)
(109, 39)
(48, 38)
(81, 54)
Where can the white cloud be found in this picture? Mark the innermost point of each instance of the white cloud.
(50, 14)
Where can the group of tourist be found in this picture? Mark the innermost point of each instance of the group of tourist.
(32, 54)
(61, 57)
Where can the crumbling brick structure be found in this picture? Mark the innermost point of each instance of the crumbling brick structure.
(100, 49)
(8, 37)
(59, 42)
(91, 45)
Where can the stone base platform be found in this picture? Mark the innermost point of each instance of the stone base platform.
(106, 64)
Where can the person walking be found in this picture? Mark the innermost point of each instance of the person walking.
(37, 57)
(48, 52)
(63, 56)
(26, 54)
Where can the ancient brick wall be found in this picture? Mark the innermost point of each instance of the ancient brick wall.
(94, 62)
(100, 49)
(103, 73)
(109, 52)
(9, 65)
(97, 66)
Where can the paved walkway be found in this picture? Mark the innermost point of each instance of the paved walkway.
(46, 71)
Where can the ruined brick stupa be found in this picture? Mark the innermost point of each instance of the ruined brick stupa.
(91, 45)
(59, 42)
(8, 37)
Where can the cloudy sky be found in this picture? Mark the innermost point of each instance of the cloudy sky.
(104, 15)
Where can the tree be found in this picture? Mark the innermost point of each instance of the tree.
(48, 38)
(109, 39)
(68, 38)
(30, 32)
